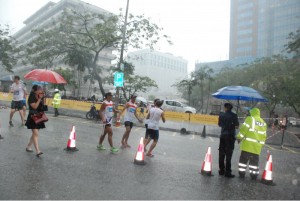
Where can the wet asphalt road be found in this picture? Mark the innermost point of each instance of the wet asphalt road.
(91, 174)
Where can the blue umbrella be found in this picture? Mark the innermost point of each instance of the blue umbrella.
(40, 83)
(239, 93)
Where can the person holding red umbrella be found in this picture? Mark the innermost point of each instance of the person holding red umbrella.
(35, 103)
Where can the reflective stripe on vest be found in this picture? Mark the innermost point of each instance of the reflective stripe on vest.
(252, 129)
(253, 140)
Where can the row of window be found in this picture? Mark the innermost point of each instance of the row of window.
(244, 32)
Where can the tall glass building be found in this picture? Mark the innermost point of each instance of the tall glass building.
(259, 28)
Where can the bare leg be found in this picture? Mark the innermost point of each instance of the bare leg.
(35, 138)
(153, 145)
(12, 112)
(146, 142)
(102, 137)
(110, 134)
(125, 136)
(30, 143)
(24, 112)
(22, 116)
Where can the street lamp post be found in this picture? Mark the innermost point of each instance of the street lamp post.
(122, 53)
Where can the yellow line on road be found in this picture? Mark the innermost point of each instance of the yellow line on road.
(137, 129)
(270, 147)
(290, 150)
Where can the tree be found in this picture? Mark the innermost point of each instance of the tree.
(294, 43)
(132, 83)
(7, 49)
(186, 86)
(91, 33)
(67, 74)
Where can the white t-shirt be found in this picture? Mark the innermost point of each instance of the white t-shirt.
(108, 111)
(130, 111)
(155, 115)
(19, 91)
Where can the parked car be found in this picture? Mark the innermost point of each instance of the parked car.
(176, 106)
(294, 121)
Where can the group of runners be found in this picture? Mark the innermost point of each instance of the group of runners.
(155, 113)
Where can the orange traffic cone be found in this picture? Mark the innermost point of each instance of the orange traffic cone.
(267, 174)
(140, 156)
(207, 166)
(71, 146)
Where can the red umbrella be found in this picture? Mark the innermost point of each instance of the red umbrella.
(44, 75)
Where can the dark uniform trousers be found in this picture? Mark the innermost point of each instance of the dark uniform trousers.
(253, 164)
(226, 148)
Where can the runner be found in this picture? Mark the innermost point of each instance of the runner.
(19, 91)
(153, 125)
(129, 118)
(149, 106)
(106, 114)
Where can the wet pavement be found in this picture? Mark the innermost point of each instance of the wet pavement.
(173, 173)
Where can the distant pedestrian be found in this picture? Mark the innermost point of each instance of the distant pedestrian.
(56, 102)
(19, 91)
(35, 104)
(106, 114)
(154, 117)
(252, 135)
(228, 122)
(130, 116)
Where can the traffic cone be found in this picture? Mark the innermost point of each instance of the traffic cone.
(206, 165)
(203, 132)
(71, 146)
(267, 174)
(140, 156)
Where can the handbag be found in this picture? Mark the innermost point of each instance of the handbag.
(39, 118)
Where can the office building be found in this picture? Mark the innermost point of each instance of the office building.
(164, 68)
(259, 28)
(43, 18)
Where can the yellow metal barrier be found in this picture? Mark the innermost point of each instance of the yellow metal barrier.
(170, 116)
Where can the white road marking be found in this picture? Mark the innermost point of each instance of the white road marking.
(211, 139)
(193, 137)
(137, 129)
(174, 134)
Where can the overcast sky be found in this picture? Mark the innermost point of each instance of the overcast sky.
(199, 29)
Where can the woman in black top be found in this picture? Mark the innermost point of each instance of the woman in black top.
(35, 103)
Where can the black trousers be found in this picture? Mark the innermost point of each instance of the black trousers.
(56, 112)
(253, 164)
(226, 148)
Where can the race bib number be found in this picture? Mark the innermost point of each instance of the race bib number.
(110, 109)
(16, 93)
(132, 110)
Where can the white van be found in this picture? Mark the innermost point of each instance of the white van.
(176, 106)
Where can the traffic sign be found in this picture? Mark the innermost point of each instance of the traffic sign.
(119, 79)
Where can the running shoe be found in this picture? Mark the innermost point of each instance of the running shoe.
(11, 124)
(101, 147)
(114, 150)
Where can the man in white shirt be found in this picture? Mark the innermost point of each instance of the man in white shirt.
(129, 118)
(154, 117)
(19, 91)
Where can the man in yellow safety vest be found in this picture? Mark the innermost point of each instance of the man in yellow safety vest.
(252, 137)
(56, 102)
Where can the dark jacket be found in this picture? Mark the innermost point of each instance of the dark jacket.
(228, 121)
